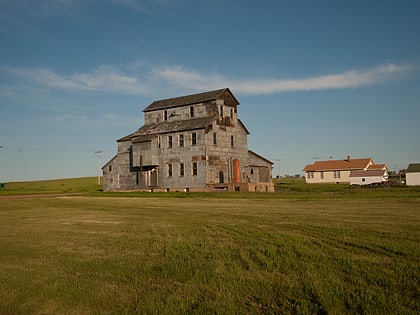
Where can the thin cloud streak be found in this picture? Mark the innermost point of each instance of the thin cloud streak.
(349, 79)
(104, 79)
(110, 80)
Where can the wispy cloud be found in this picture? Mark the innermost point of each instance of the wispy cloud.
(349, 79)
(103, 79)
(111, 80)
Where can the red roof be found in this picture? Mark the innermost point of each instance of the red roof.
(377, 167)
(368, 173)
(339, 165)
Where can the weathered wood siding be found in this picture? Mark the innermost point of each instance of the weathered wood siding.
(194, 155)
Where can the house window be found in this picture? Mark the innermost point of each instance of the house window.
(310, 175)
(252, 171)
(170, 170)
(221, 177)
(336, 174)
(232, 142)
(221, 111)
(194, 168)
(193, 138)
(165, 115)
(158, 142)
(214, 138)
(191, 111)
(110, 168)
(181, 169)
(363, 179)
(169, 141)
(181, 140)
(321, 175)
(231, 113)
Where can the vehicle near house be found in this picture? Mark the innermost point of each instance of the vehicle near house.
(412, 175)
(189, 143)
(373, 177)
(338, 171)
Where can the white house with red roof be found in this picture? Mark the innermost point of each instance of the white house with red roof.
(338, 171)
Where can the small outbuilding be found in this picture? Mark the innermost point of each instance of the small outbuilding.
(412, 175)
(368, 177)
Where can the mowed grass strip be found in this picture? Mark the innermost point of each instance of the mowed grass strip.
(93, 255)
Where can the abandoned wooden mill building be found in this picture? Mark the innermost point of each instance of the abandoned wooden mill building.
(189, 143)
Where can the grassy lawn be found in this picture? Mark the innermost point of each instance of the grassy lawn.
(330, 250)
(54, 186)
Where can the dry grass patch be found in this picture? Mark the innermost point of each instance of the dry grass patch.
(197, 255)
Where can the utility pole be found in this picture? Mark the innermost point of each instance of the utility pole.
(99, 166)
(278, 163)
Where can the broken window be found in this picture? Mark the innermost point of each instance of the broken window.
(170, 170)
(194, 168)
(181, 140)
(193, 138)
(181, 169)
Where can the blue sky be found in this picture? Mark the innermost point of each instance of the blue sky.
(315, 79)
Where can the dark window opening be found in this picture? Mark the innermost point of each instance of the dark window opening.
(221, 177)
(194, 169)
(181, 140)
(193, 138)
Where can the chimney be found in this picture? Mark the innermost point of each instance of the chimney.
(348, 158)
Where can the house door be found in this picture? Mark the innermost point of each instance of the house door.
(221, 177)
(236, 171)
(152, 178)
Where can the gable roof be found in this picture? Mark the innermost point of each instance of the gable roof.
(413, 168)
(338, 165)
(377, 167)
(188, 100)
(367, 173)
(260, 157)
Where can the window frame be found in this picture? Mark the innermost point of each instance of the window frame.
(181, 140)
(194, 169)
(170, 141)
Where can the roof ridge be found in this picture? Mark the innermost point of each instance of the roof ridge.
(187, 99)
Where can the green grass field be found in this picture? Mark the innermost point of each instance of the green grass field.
(301, 250)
